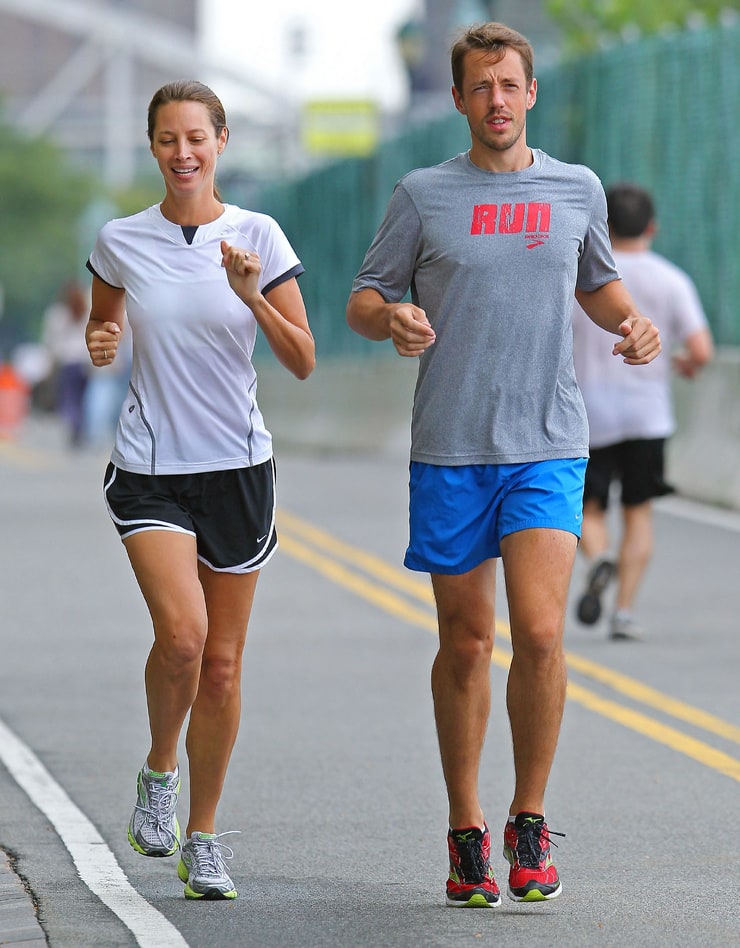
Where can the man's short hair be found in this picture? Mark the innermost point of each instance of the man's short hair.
(630, 209)
(492, 38)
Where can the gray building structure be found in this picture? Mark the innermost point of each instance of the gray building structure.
(82, 72)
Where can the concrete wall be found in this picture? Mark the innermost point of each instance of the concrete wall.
(345, 405)
(361, 406)
(704, 454)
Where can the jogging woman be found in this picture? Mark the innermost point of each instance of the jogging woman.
(191, 482)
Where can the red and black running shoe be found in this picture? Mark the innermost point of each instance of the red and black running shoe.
(532, 876)
(471, 883)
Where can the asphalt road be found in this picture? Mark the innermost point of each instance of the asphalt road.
(335, 784)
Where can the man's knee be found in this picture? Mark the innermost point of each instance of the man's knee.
(540, 640)
(466, 646)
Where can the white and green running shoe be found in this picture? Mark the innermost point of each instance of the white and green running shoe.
(153, 829)
(202, 867)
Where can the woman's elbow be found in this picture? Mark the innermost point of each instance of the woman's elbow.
(305, 364)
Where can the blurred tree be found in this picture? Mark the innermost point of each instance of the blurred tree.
(588, 24)
(141, 194)
(41, 198)
(50, 212)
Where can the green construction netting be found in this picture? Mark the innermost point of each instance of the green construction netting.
(663, 112)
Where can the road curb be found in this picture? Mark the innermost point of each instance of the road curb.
(19, 923)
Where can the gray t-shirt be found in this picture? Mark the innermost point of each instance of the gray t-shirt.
(494, 259)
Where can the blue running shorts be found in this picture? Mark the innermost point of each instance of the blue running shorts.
(458, 515)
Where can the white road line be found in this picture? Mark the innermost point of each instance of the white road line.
(95, 862)
(698, 512)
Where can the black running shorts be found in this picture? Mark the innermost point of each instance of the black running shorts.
(230, 513)
(637, 465)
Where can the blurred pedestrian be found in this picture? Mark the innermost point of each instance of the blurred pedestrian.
(63, 337)
(630, 413)
(106, 390)
(493, 244)
(190, 486)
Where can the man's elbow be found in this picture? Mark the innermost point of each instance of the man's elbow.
(349, 313)
(702, 350)
(356, 313)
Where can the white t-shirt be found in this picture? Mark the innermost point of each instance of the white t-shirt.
(63, 336)
(192, 403)
(625, 402)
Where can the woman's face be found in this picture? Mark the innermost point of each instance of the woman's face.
(186, 147)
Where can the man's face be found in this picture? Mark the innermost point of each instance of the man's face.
(495, 99)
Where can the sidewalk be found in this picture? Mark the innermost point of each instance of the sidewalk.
(18, 921)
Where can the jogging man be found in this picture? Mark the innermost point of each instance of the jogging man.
(630, 414)
(493, 244)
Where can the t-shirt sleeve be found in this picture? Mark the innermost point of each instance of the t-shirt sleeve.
(103, 261)
(278, 258)
(390, 261)
(596, 266)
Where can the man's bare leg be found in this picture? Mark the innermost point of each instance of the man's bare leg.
(461, 683)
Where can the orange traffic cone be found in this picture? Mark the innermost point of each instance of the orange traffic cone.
(14, 399)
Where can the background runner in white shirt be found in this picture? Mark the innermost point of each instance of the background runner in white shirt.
(630, 414)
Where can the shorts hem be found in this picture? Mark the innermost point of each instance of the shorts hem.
(447, 569)
(167, 527)
(542, 525)
(412, 562)
(242, 568)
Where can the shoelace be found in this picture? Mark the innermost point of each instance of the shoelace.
(528, 847)
(162, 800)
(209, 854)
(470, 853)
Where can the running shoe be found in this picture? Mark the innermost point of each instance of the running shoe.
(532, 876)
(202, 867)
(623, 626)
(471, 883)
(153, 829)
(599, 577)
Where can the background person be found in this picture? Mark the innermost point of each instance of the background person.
(63, 337)
(190, 486)
(630, 413)
(106, 390)
(493, 244)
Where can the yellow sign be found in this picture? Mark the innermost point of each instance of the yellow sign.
(341, 126)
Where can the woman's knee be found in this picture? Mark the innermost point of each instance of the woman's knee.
(180, 638)
(220, 677)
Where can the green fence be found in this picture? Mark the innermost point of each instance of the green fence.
(664, 112)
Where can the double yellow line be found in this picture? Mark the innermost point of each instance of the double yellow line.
(410, 599)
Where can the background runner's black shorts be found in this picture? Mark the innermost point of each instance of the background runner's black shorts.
(230, 513)
(637, 465)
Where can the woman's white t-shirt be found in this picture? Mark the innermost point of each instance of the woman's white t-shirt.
(191, 403)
